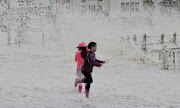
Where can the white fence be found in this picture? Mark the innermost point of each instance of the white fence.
(163, 50)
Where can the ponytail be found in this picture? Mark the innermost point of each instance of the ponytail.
(83, 48)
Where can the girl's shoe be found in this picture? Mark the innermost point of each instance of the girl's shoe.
(87, 93)
(80, 89)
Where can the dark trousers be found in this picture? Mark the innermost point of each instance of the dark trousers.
(88, 79)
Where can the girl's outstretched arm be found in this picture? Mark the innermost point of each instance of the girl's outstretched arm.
(91, 60)
(99, 61)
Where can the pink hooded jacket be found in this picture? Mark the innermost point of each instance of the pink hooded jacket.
(78, 57)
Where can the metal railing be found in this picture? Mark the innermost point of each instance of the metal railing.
(169, 51)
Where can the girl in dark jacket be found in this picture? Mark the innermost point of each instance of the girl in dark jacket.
(87, 68)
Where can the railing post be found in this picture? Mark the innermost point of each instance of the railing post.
(145, 38)
(174, 38)
(9, 36)
(135, 38)
(128, 38)
(128, 41)
(122, 39)
(162, 38)
(43, 39)
(163, 57)
(174, 60)
(144, 47)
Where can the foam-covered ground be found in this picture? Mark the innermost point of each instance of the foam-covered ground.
(44, 79)
(36, 76)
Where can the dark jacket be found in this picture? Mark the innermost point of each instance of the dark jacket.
(89, 61)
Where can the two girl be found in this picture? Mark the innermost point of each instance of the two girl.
(87, 68)
(81, 47)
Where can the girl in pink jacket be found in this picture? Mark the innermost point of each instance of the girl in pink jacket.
(81, 47)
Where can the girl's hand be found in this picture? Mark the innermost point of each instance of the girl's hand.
(101, 64)
(104, 62)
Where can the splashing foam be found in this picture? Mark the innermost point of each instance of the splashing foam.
(106, 31)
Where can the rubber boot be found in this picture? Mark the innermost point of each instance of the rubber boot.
(87, 93)
(80, 88)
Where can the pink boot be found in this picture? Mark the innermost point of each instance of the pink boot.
(87, 93)
(80, 89)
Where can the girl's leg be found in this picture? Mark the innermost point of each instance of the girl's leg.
(78, 80)
(88, 84)
(81, 76)
(85, 85)
(88, 80)
(80, 84)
